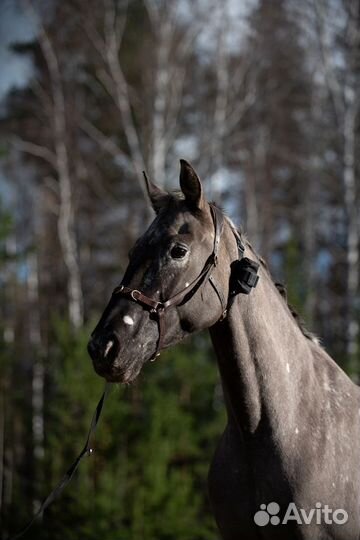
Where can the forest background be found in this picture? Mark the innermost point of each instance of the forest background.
(263, 98)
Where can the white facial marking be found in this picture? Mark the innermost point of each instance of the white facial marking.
(128, 320)
(296, 431)
(187, 284)
(108, 347)
(288, 368)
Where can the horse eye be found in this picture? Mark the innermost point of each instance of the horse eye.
(178, 252)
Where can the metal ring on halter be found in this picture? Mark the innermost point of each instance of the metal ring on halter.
(132, 293)
(158, 308)
(118, 289)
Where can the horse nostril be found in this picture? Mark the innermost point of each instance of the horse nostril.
(105, 348)
(111, 347)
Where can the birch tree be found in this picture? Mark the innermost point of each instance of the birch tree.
(343, 81)
(56, 154)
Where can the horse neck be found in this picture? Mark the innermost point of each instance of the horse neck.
(263, 358)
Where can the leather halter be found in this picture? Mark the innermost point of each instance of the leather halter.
(158, 308)
(243, 278)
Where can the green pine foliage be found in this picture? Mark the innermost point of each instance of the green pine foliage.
(146, 478)
(6, 224)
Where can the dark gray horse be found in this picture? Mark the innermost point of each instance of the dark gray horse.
(288, 463)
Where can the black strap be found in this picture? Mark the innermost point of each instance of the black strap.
(220, 296)
(87, 450)
(158, 308)
(240, 246)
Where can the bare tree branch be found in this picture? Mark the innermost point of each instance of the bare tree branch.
(66, 227)
(106, 143)
(333, 85)
(34, 149)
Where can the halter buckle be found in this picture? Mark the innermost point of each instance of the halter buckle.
(157, 307)
(133, 293)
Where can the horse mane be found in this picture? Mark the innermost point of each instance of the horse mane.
(177, 196)
(281, 288)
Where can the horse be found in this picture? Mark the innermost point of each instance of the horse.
(287, 463)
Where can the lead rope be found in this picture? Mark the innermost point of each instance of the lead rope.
(87, 450)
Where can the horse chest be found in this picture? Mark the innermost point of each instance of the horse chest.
(241, 479)
(238, 483)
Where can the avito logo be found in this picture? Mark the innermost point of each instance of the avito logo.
(320, 514)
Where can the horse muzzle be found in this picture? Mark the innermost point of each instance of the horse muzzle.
(104, 350)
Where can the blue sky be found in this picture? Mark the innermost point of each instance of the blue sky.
(15, 26)
(15, 69)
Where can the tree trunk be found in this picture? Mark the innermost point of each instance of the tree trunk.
(2, 444)
(221, 100)
(38, 373)
(352, 247)
(66, 226)
(159, 116)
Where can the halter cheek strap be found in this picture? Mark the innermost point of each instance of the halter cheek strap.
(243, 279)
(158, 308)
(243, 282)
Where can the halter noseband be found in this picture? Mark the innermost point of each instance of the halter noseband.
(245, 278)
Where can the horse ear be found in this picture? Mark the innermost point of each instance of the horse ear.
(157, 196)
(191, 185)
